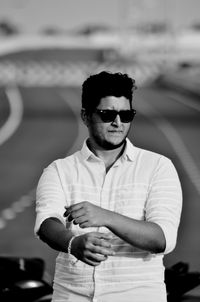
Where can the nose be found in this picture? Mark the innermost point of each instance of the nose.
(117, 121)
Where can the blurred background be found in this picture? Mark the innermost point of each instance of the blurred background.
(47, 49)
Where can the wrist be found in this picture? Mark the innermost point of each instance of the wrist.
(70, 251)
(108, 218)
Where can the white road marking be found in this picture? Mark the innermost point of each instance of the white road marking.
(183, 100)
(16, 114)
(6, 131)
(75, 107)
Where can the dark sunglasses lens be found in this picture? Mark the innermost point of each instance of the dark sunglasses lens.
(127, 116)
(108, 116)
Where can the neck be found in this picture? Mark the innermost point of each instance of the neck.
(109, 157)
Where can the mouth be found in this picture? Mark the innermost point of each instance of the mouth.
(114, 132)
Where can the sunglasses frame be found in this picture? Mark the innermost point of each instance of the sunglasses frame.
(101, 112)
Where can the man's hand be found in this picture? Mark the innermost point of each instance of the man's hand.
(92, 248)
(86, 214)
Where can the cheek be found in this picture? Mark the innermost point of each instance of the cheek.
(127, 127)
(101, 130)
(98, 129)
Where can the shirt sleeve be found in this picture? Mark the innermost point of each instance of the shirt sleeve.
(50, 197)
(164, 204)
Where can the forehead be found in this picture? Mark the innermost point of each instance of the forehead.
(113, 102)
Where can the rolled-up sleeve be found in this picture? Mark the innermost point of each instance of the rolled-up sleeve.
(50, 197)
(164, 204)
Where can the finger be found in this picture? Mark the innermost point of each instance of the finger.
(66, 211)
(106, 236)
(96, 257)
(76, 214)
(70, 218)
(103, 243)
(84, 225)
(102, 250)
(73, 207)
(92, 262)
(76, 206)
(105, 251)
(80, 220)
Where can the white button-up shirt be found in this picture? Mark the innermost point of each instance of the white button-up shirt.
(142, 185)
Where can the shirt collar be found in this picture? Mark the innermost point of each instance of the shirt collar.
(129, 151)
(86, 152)
(128, 154)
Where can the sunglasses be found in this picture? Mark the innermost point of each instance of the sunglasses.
(108, 116)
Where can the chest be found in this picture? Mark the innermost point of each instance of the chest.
(121, 189)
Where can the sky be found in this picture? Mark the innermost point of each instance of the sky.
(34, 15)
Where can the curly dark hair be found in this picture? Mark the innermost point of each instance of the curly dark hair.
(105, 84)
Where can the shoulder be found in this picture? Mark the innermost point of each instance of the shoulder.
(150, 156)
(161, 167)
(151, 163)
(136, 153)
(61, 165)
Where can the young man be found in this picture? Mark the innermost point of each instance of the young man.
(112, 210)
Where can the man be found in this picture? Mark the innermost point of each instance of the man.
(112, 210)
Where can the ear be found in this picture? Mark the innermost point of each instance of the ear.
(84, 117)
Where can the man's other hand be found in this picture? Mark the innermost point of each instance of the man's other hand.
(86, 214)
(92, 248)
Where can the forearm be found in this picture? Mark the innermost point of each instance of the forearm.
(142, 234)
(91, 248)
(54, 233)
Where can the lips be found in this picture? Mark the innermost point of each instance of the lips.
(116, 132)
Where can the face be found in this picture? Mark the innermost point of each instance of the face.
(109, 135)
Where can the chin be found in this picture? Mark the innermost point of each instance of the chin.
(109, 145)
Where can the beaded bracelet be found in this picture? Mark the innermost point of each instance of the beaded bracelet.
(69, 249)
